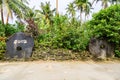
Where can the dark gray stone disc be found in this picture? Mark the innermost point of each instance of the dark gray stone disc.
(19, 45)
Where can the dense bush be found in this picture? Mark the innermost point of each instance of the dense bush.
(62, 34)
(2, 30)
(9, 29)
(2, 49)
(106, 25)
(13, 28)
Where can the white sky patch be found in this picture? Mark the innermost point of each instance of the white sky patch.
(62, 5)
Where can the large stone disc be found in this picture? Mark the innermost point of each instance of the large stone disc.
(19, 45)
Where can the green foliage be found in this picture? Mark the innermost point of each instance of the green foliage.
(2, 30)
(2, 49)
(47, 11)
(62, 32)
(84, 6)
(64, 35)
(11, 29)
(106, 25)
(117, 53)
(18, 7)
(20, 26)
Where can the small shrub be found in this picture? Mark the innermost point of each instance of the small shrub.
(2, 30)
(11, 29)
(2, 49)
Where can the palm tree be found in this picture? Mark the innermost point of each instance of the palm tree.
(13, 6)
(87, 9)
(78, 4)
(104, 3)
(83, 6)
(71, 10)
(32, 26)
(46, 11)
(1, 7)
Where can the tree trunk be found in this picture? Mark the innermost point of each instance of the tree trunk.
(85, 17)
(56, 6)
(116, 1)
(32, 27)
(7, 18)
(80, 16)
(2, 14)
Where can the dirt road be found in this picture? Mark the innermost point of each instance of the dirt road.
(50, 70)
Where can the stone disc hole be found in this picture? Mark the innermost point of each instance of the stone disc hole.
(19, 48)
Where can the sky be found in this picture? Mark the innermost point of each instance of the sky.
(61, 6)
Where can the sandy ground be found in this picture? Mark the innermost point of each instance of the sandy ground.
(51, 70)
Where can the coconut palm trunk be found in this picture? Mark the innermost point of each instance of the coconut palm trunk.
(13, 6)
(2, 14)
(56, 6)
(80, 16)
(7, 18)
